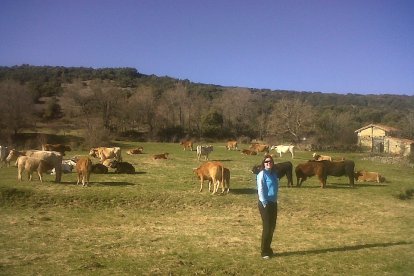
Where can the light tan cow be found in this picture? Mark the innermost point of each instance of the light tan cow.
(31, 164)
(83, 168)
(187, 144)
(104, 153)
(138, 150)
(212, 171)
(53, 158)
(319, 157)
(232, 145)
(364, 176)
(13, 155)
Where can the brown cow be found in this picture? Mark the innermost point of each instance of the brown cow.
(232, 145)
(138, 150)
(187, 144)
(160, 156)
(281, 169)
(213, 171)
(56, 147)
(83, 168)
(309, 169)
(363, 175)
(257, 147)
(226, 181)
(340, 168)
(122, 167)
(248, 152)
(104, 153)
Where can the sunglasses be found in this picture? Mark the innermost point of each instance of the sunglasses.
(267, 161)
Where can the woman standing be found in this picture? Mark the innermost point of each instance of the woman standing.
(267, 187)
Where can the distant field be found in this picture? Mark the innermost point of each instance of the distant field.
(155, 222)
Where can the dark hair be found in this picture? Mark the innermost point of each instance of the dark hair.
(267, 156)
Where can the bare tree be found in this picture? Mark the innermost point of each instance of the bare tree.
(292, 117)
(16, 107)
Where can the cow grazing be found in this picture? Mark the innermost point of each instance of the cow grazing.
(319, 157)
(363, 176)
(309, 169)
(187, 144)
(283, 149)
(138, 150)
(13, 155)
(53, 158)
(257, 147)
(4, 152)
(123, 167)
(282, 169)
(83, 169)
(160, 156)
(104, 153)
(249, 152)
(231, 145)
(56, 147)
(99, 169)
(31, 164)
(212, 171)
(204, 151)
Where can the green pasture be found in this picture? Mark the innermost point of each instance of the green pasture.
(156, 222)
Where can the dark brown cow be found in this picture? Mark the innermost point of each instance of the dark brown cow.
(281, 169)
(56, 147)
(123, 167)
(99, 169)
(187, 144)
(309, 169)
(340, 168)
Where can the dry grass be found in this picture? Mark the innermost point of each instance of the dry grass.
(157, 223)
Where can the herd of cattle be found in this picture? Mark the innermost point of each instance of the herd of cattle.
(50, 159)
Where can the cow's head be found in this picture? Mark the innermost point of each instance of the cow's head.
(93, 152)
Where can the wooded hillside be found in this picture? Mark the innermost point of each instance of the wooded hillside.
(122, 103)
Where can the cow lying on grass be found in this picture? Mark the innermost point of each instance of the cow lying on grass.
(319, 157)
(281, 169)
(363, 175)
(31, 164)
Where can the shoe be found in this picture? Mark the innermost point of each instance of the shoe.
(266, 257)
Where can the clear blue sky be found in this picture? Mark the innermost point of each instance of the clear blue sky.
(337, 46)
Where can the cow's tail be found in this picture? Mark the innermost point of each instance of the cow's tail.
(222, 179)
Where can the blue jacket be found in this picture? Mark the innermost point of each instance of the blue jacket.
(267, 186)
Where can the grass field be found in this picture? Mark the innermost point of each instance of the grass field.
(156, 222)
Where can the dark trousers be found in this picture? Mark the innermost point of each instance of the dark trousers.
(269, 216)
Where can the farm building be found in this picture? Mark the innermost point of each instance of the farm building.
(382, 139)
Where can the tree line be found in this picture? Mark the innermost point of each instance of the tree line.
(122, 103)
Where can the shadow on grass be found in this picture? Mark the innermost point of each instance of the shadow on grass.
(99, 183)
(341, 249)
(246, 191)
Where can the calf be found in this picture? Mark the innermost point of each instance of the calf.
(213, 171)
(31, 164)
(363, 175)
(160, 156)
(83, 168)
(319, 157)
(187, 144)
(281, 170)
(232, 145)
(204, 151)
